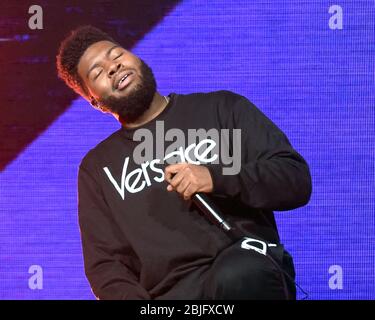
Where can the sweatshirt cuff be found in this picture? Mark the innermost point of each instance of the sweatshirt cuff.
(228, 185)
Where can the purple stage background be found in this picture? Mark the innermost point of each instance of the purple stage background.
(314, 81)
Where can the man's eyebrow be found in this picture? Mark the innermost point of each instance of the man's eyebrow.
(107, 55)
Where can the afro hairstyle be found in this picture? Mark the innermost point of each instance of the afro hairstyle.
(71, 50)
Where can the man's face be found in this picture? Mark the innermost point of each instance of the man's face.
(120, 81)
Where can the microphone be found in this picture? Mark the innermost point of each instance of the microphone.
(212, 213)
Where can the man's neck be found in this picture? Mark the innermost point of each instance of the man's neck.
(158, 104)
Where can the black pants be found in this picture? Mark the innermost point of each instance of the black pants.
(239, 274)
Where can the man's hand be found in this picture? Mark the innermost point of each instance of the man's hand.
(187, 179)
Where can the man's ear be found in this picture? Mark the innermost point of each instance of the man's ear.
(93, 102)
(96, 104)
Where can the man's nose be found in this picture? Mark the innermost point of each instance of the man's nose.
(113, 68)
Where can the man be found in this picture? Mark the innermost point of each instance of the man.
(142, 236)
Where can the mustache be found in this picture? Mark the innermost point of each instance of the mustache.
(133, 105)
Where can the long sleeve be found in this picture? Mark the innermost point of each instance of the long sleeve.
(272, 175)
(107, 254)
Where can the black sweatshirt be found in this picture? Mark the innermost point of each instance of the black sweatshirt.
(140, 239)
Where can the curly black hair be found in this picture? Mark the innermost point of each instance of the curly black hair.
(70, 51)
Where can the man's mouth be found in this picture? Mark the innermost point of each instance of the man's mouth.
(124, 80)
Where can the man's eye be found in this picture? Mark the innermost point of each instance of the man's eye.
(118, 56)
(97, 75)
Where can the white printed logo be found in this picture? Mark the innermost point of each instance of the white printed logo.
(256, 245)
(136, 180)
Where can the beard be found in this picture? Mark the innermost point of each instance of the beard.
(132, 106)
